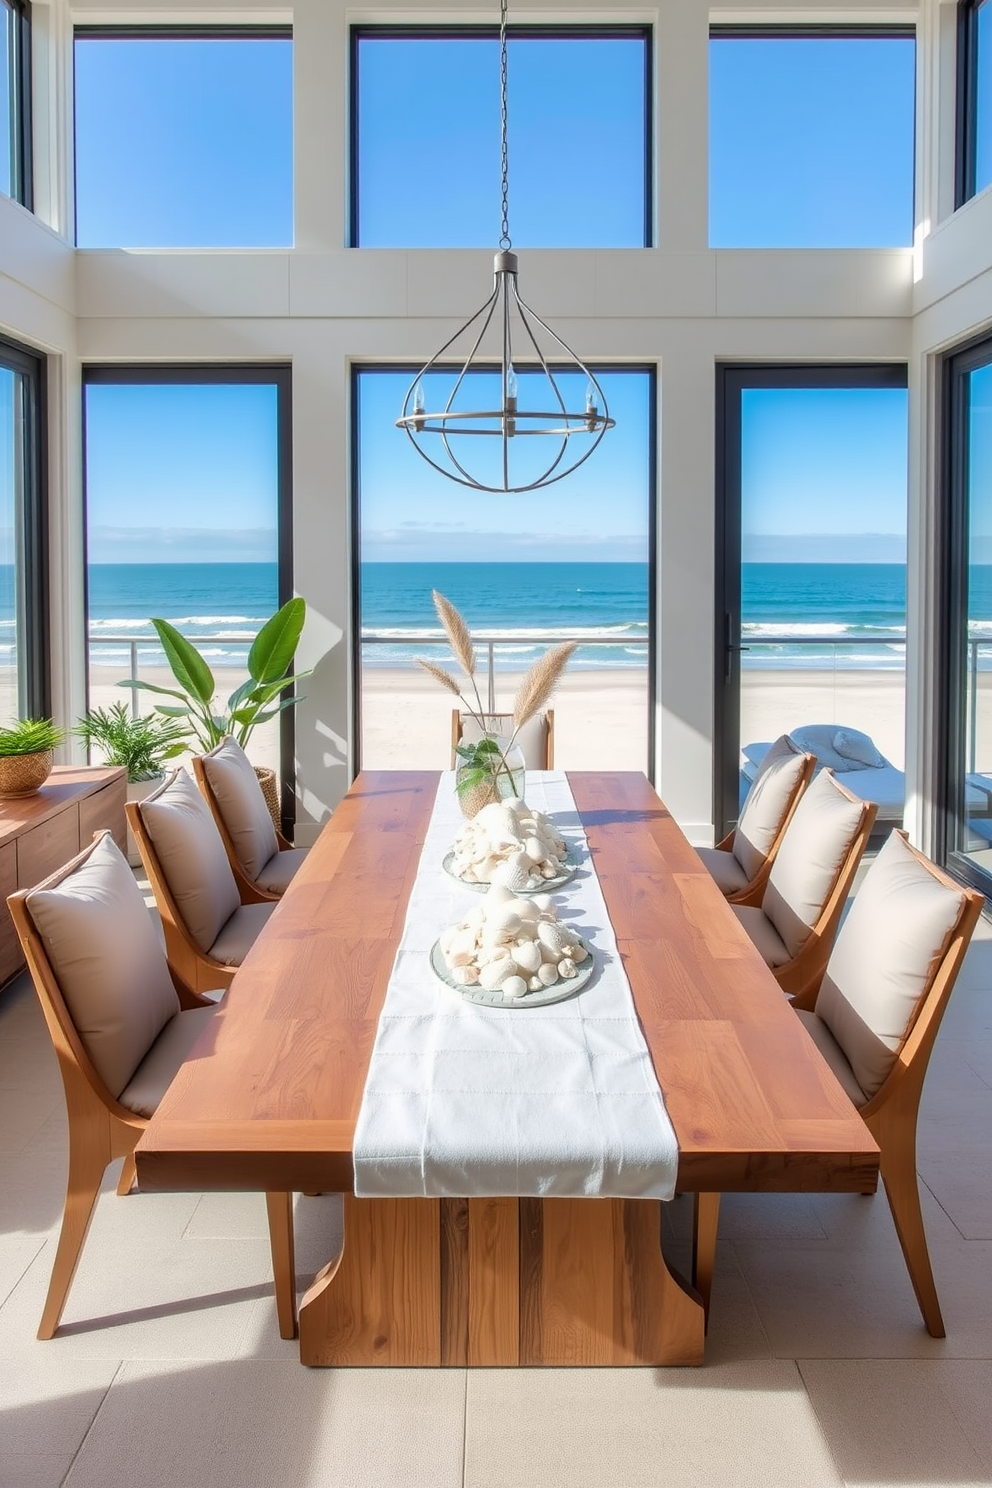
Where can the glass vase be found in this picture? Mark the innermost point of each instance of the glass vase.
(497, 772)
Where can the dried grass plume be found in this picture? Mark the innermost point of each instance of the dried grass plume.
(459, 636)
(439, 674)
(539, 683)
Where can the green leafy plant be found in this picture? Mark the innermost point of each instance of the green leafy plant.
(142, 745)
(30, 736)
(254, 702)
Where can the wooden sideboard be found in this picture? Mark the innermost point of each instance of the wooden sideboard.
(41, 832)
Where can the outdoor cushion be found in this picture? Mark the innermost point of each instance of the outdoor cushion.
(834, 1055)
(158, 1069)
(192, 857)
(241, 803)
(774, 951)
(532, 738)
(766, 805)
(724, 869)
(837, 749)
(885, 957)
(278, 872)
(107, 960)
(239, 934)
(813, 849)
(859, 749)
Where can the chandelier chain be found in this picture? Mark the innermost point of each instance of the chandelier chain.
(505, 240)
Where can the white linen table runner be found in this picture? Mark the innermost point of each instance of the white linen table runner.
(463, 1099)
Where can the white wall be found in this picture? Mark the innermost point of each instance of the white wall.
(321, 307)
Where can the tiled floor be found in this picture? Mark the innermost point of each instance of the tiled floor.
(168, 1371)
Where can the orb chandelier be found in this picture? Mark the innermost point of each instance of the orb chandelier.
(531, 392)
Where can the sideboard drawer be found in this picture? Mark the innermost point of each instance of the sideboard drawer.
(47, 847)
(104, 808)
(10, 947)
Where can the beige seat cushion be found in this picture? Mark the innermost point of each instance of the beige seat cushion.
(158, 1069)
(766, 805)
(241, 803)
(192, 857)
(278, 872)
(774, 951)
(532, 738)
(885, 958)
(724, 868)
(108, 962)
(240, 933)
(834, 1055)
(813, 850)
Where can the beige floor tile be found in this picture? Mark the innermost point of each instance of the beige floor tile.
(966, 1385)
(741, 1424)
(891, 1421)
(242, 1424)
(23, 1112)
(46, 1408)
(16, 1254)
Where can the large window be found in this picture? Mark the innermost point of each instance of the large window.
(572, 561)
(811, 139)
(188, 515)
(184, 140)
(23, 560)
(974, 98)
(426, 141)
(15, 100)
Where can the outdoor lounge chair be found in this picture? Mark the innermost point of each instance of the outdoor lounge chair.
(854, 759)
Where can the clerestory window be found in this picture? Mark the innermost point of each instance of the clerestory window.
(974, 98)
(15, 100)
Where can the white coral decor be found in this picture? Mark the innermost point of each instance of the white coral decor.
(510, 844)
(515, 945)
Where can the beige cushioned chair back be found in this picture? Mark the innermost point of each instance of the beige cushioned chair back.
(767, 802)
(532, 738)
(108, 962)
(240, 801)
(813, 850)
(885, 958)
(192, 857)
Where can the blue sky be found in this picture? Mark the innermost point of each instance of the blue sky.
(191, 143)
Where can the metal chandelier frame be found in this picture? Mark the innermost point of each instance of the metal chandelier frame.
(509, 421)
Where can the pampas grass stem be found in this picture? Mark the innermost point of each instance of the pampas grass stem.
(539, 683)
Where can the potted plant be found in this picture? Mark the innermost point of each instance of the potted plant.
(254, 702)
(26, 751)
(141, 745)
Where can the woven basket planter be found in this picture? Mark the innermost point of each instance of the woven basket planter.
(23, 774)
(270, 790)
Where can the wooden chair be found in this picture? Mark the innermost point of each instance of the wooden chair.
(261, 859)
(742, 862)
(536, 739)
(874, 1020)
(121, 1030)
(208, 931)
(795, 924)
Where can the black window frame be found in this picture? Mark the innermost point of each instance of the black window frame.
(192, 374)
(22, 183)
(966, 109)
(32, 551)
(261, 32)
(732, 380)
(731, 31)
(358, 32)
(648, 369)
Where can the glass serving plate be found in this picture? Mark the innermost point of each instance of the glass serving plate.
(546, 886)
(557, 993)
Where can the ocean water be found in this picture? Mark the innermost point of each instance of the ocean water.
(861, 607)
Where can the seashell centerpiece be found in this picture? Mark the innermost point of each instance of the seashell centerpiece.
(510, 844)
(509, 950)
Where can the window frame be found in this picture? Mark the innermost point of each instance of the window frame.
(966, 103)
(260, 32)
(878, 31)
(32, 552)
(190, 374)
(652, 371)
(358, 32)
(22, 183)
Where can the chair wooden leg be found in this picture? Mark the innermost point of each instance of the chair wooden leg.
(705, 1218)
(898, 1168)
(86, 1170)
(280, 1211)
(128, 1175)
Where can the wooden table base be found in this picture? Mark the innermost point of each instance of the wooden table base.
(492, 1282)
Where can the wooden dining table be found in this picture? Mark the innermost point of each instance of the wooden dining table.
(270, 1097)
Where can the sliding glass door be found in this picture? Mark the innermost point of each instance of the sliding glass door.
(23, 590)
